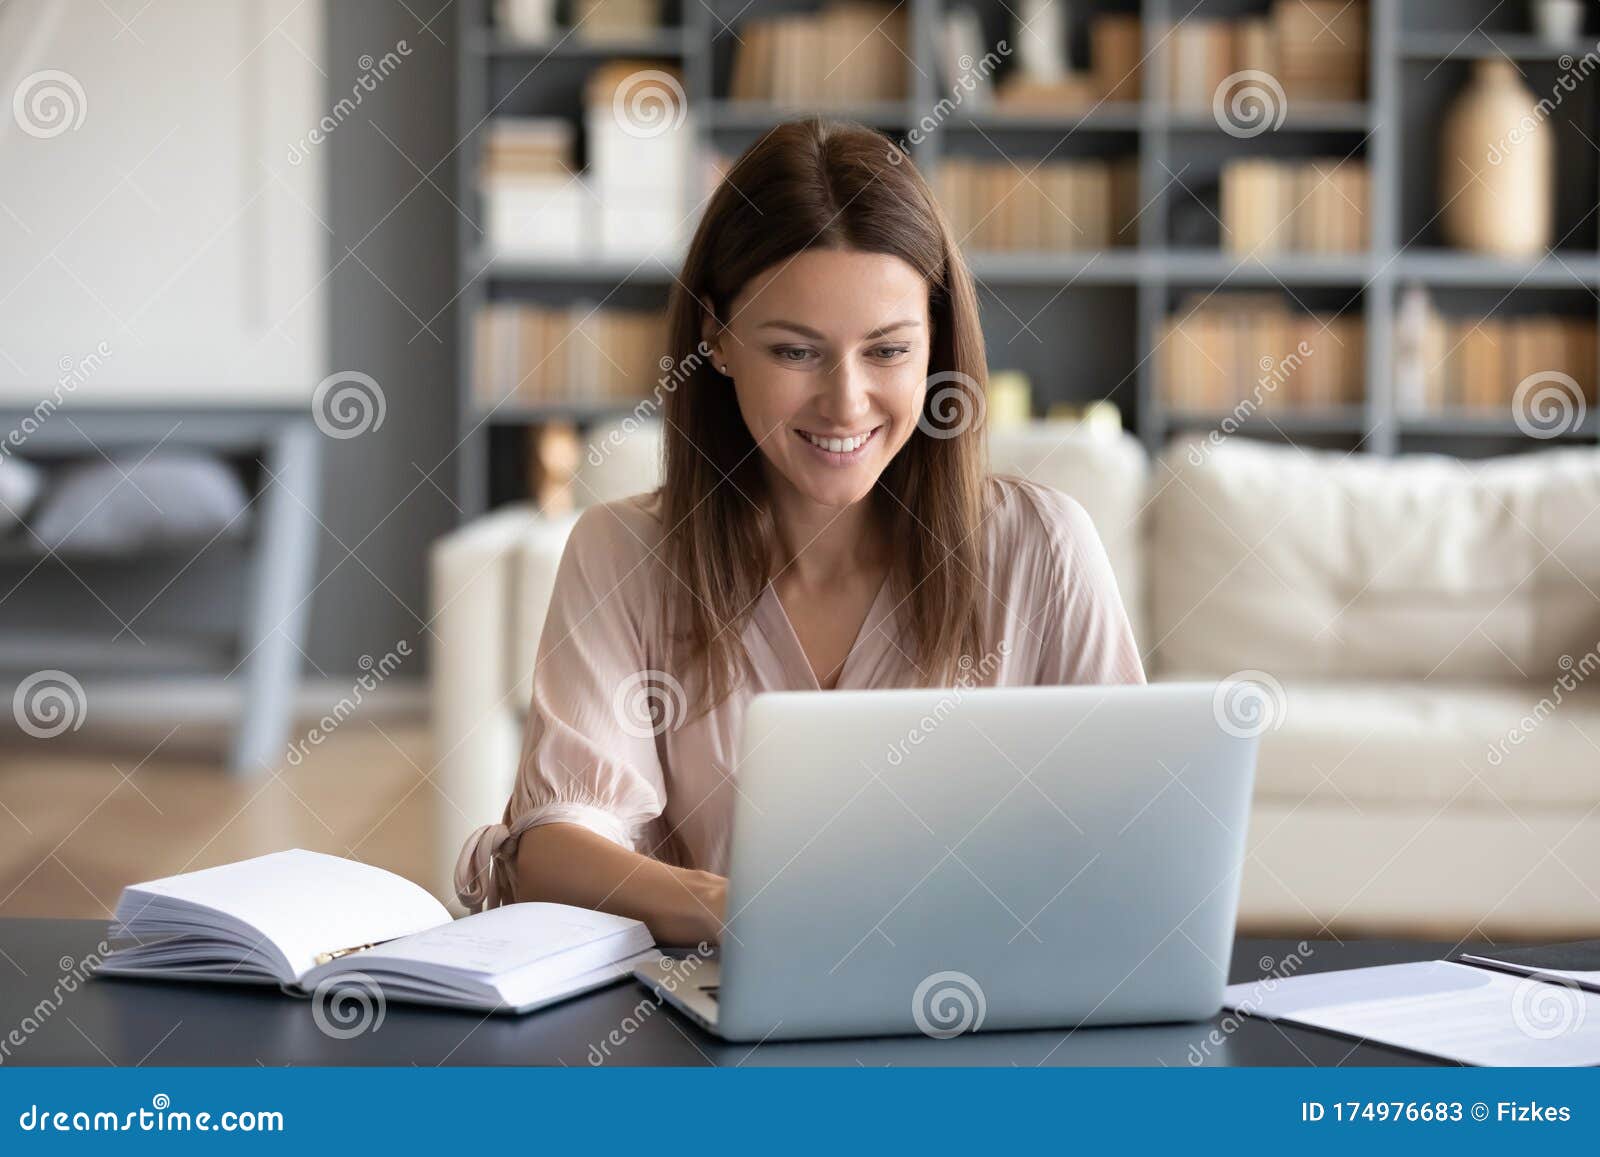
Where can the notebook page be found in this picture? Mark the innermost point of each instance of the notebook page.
(303, 902)
(1440, 1008)
(502, 940)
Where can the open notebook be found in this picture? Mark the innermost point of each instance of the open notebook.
(303, 919)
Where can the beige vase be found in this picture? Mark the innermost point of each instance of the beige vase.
(1497, 166)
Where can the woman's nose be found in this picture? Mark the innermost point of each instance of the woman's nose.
(845, 398)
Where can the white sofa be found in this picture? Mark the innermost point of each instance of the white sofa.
(1433, 625)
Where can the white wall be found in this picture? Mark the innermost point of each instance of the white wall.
(169, 224)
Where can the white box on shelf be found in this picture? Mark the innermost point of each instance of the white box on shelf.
(530, 20)
(634, 161)
(537, 217)
(641, 227)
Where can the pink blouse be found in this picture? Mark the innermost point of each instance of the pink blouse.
(591, 755)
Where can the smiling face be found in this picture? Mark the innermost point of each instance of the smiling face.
(828, 353)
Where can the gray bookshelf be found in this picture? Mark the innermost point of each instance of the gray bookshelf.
(1097, 313)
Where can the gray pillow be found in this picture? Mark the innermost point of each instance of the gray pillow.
(178, 497)
(19, 489)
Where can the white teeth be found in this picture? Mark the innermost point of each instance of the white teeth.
(838, 445)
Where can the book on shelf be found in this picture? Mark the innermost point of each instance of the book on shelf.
(1219, 351)
(752, 61)
(309, 923)
(1255, 45)
(1115, 72)
(534, 354)
(1314, 50)
(528, 147)
(1199, 57)
(1116, 54)
(1445, 363)
(630, 203)
(600, 20)
(1058, 206)
(534, 203)
(1316, 206)
(1331, 374)
(1322, 49)
(851, 52)
(1073, 93)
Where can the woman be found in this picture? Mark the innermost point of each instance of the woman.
(826, 521)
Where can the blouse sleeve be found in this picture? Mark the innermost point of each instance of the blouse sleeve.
(585, 759)
(1083, 627)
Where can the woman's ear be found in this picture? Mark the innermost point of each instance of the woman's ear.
(710, 337)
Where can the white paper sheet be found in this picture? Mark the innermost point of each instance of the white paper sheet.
(1449, 1010)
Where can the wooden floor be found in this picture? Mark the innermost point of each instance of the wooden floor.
(76, 826)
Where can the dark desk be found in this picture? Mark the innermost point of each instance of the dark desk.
(133, 1022)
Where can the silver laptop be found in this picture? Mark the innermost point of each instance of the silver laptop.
(948, 861)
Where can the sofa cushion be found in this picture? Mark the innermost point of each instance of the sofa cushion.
(534, 562)
(620, 459)
(1107, 474)
(1316, 563)
(1379, 742)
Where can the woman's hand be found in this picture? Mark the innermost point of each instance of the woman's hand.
(569, 864)
(711, 893)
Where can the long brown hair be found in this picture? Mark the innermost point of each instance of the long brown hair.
(809, 184)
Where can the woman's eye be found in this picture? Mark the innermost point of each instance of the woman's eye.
(792, 353)
(889, 353)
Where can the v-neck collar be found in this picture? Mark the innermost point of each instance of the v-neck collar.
(786, 640)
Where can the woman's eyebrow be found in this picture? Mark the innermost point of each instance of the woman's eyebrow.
(809, 332)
